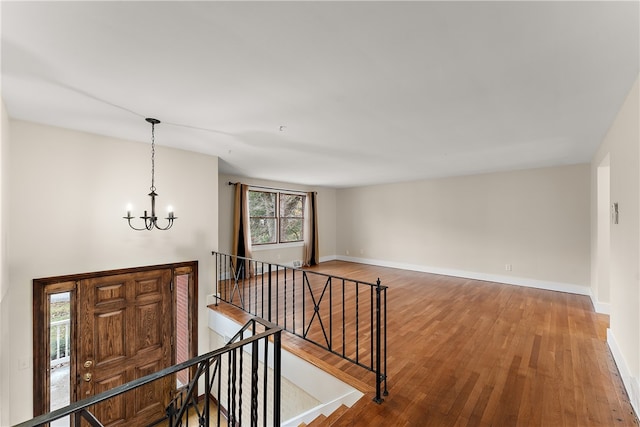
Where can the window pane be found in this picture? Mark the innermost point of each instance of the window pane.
(60, 354)
(182, 327)
(263, 210)
(291, 229)
(291, 205)
(263, 230)
(262, 203)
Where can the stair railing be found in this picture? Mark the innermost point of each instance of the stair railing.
(347, 317)
(256, 348)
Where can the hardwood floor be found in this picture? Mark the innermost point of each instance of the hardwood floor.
(471, 353)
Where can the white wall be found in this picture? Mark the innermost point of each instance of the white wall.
(4, 266)
(326, 220)
(535, 220)
(622, 146)
(68, 195)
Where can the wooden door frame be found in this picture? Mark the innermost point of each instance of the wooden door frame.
(44, 286)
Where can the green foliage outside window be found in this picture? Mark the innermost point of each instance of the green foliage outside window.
(291, 217)
(262, 210)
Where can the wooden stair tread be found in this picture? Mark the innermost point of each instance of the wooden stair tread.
(318, 421)
(335, 415)
(348, 417)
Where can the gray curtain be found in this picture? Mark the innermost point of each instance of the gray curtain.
(310, 254)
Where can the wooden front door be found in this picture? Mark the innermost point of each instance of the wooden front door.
(124, 333)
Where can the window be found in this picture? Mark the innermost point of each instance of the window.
(276, 217)
(291, 217)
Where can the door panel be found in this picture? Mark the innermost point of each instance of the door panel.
(124, 324)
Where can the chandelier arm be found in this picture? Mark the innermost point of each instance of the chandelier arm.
(146, 224)
(169, 225)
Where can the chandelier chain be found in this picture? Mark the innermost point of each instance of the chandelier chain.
(153, 156)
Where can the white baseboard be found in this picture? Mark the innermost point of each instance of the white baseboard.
(328, 258)
(600, 307)
(509, 280)
(631, 384)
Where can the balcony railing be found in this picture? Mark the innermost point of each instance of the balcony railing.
(60, 349)
(241, 381)
(344, 316)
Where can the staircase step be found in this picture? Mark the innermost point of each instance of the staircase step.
(335, 415)
(343, 416)
(317, 421)
(348, 417)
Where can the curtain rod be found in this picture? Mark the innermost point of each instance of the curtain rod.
(270, 188)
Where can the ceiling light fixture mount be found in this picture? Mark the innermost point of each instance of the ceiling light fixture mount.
(151, 221)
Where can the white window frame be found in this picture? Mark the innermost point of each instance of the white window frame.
(256, 247)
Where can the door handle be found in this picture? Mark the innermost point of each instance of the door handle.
(88, 363)
(87, 377)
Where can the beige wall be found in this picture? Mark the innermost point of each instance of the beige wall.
(4, 266)
(537, 221)
(68, 195)
(282, 255)
(620, 150)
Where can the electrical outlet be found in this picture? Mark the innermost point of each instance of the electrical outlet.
(507, 267)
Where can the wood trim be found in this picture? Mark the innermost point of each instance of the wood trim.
(91, 275)
(193, 314)
(41, 387)
(41, 315)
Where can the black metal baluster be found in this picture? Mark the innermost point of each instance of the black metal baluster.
(261, 295)
(277, 295)
(293, 302)
(269, 299)
(265, 378)
(277, 371)
(378, 398)
(330, 314)
(219, 411)
(344, 338)
(371, 326)
(230, 402)
(207, 378)
(240, 382)
(386, 392)
(357, 322)
(304, 305)
(254, 383)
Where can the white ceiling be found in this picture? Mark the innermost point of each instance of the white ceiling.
(366, 92)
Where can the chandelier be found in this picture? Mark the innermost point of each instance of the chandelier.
(151, 221)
